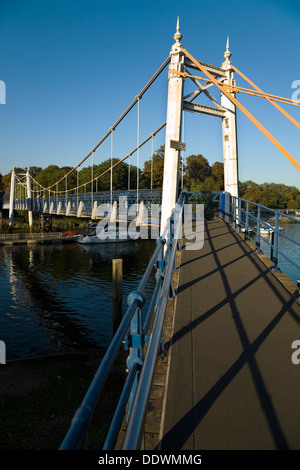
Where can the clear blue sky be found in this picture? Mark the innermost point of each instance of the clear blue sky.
(71, 67)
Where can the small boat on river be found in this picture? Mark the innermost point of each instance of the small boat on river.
(107, 234)
(268, 229)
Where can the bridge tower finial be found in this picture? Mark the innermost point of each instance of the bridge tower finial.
(177, 36)
(227, 53)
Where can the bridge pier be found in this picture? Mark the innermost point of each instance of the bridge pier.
(11, 199)
(28, 184)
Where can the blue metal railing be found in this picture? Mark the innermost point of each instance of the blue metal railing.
(264, 225)
(71, 203)
(210, 199)
(133, 332)
(134, 432)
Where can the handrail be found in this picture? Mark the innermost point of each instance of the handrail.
(160, 259)
(88, 198)
(135, 426)
(137, 387)
(236, 212)
(84, 413)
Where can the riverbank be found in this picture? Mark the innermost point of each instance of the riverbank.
(39, 396)
(60, 223)
(37, 239)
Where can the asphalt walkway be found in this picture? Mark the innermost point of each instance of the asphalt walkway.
(231, 382)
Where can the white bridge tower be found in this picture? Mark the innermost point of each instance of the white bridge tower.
(177, 103)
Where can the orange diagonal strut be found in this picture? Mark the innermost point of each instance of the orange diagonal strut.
(267, 98)
(244, 110)
(238, 89)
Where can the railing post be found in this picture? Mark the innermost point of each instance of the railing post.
(247, 221)
(135, 342)
(239, 216)
(274, 247)
(160, 274)
(258, 218)
(234, 212)
(117, 281)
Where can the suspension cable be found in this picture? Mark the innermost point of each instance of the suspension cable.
(122, 159)
(138, 151)
(77, 187)
(182, 152)
(111, 164)
(129, 174)
(92, 180)
(118, 121)
(151, 162)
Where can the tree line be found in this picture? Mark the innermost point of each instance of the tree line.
(197, 175)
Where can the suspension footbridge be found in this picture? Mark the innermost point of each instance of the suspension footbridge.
(232, 380)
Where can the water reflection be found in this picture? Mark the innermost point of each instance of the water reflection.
(108, 251)
(57, 297)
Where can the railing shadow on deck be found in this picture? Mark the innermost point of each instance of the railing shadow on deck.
(176, 437)
(143, 369)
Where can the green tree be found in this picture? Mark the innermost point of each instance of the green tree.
(6, 182)
(217, 170)
(244, 185)
(35, 170)
(272, 196)
(156, 168)
(120, 176)
(197, 170)
(289, 196)
(209, 184)
(52, 174)
(292, 204)
(253, 194)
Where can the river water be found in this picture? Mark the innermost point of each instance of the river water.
(59, 297)
(287, 248)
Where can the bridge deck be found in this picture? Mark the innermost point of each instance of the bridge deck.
(231, 382)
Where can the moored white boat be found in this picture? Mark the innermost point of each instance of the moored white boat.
(106, 235)
(267, 230)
